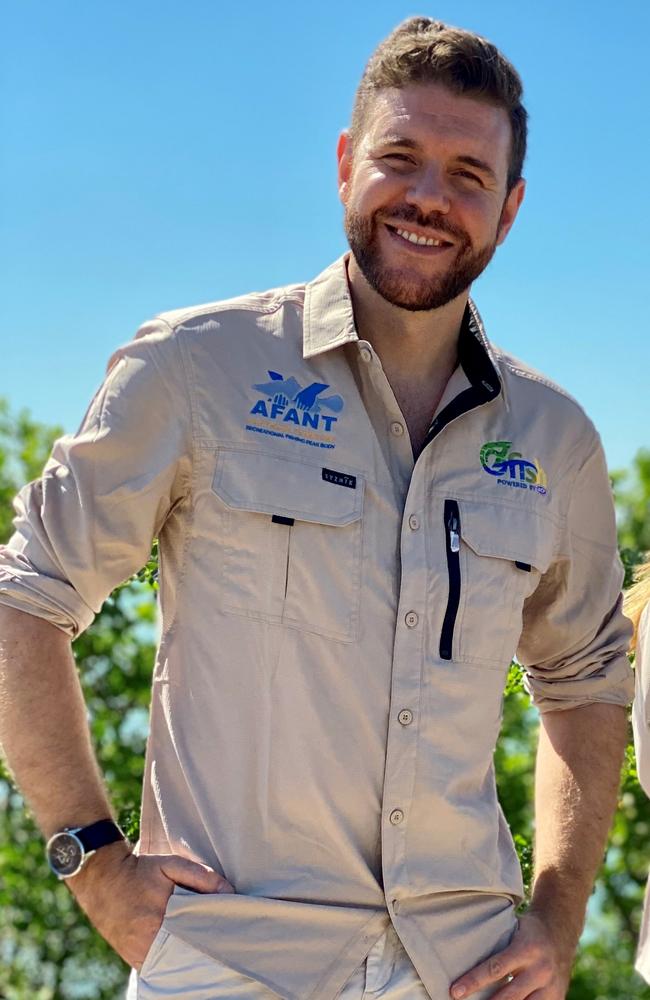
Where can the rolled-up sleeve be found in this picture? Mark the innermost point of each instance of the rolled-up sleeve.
(575, 636)
(88, 523)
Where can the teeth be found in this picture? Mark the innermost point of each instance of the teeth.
(421, 241)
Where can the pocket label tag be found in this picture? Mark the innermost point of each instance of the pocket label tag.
(340, 478)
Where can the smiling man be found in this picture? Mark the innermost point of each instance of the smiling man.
(364, 510)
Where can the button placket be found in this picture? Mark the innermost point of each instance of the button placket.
(401, 763)
(394, 430)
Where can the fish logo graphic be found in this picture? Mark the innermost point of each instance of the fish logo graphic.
(281, 390)
(511, 469)
(284, 401)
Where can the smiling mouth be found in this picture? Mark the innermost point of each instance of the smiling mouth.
(417, 240)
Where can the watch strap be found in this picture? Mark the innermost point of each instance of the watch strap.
(99, 834)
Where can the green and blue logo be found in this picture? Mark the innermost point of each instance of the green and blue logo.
(510, 468)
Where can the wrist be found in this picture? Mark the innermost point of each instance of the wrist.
(562, 926)
(98, 866)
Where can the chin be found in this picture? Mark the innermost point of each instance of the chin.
(400, 288)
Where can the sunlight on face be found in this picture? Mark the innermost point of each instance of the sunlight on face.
(425, 193)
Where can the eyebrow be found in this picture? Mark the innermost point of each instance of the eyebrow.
(471, 161)
(398, 140)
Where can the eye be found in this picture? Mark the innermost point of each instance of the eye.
(469, 176)
(400, 157)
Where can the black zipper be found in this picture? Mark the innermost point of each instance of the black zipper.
(452, 543)
(289, 522)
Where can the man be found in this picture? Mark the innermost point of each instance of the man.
(364, 509)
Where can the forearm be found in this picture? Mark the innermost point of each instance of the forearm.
(577, 778)
(43, 726)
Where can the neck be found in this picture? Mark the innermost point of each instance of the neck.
(412, 346)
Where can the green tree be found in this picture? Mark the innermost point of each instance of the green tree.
(48, 950)
(632, 490)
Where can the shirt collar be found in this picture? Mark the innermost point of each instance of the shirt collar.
(329, 322)
(328, 318)
(476, 355)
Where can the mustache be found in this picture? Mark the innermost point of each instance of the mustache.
(435, 220)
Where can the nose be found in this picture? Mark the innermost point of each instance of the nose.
(428, 192)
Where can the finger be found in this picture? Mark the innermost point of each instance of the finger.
(200, 878)
(486, 974)
(523, 986)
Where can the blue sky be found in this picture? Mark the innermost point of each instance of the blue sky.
(159, 154)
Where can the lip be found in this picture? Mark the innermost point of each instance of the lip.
(422, 249)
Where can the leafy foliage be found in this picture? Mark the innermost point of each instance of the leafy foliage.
(632, 490)
(48, 951)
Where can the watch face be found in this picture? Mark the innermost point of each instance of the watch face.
(65, 854)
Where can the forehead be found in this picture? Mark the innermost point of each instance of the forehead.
(431, 113)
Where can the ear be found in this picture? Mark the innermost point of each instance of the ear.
(510, 209)
(344, 158)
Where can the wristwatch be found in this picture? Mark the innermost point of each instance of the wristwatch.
(68, 849)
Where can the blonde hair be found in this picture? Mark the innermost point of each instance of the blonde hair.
(637, 597)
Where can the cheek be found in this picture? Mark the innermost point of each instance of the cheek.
(478, 217)
(371, 189)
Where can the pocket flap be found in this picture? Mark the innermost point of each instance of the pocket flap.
(269, 484)
(506, 532)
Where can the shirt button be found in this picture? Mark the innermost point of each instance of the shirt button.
(396, 906)
(414, 522)
(396, 817)
(365, 355)
(396, 428)
(405, 717)
(411, 619)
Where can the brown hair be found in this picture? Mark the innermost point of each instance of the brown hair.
(421, 50)
(637, 597)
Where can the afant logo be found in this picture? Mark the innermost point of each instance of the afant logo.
(511, 469)
(299, 414)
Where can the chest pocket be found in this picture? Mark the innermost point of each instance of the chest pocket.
(292, 543)
(495, 557)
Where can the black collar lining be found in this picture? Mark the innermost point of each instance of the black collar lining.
(478, 367)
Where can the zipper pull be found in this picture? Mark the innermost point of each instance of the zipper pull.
(454, 535)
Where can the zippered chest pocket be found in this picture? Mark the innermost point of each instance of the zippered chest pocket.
(291, 543)
(495, 555)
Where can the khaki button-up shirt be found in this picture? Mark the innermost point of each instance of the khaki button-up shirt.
(337, 619)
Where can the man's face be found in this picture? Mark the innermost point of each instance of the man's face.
(431, 165)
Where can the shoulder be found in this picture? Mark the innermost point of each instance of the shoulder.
(525, 378)
(212, 315)
(162, 340)
(531, 392)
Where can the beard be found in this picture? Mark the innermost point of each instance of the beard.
(402, 286)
